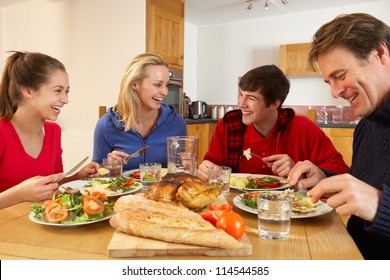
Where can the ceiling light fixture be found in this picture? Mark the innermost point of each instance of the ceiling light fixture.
(266, 6)
(250, 6)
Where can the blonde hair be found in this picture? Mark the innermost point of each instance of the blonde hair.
(129, 104)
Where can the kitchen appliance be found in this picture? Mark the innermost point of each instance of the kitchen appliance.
(198, 110)
(175, 90)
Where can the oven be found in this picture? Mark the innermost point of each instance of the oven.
(175, 90)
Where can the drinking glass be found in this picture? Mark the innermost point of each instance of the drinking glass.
(114, 166)
(274, 215)
(182, 153)
(220, 175)
(150, 172)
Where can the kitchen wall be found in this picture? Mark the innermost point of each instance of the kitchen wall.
(94, 39)
(225, 52)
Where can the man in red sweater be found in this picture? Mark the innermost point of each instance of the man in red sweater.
(276, 135)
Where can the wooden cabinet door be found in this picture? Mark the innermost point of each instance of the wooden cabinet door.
(211, 130)
(294, 60)
(202, 131)
(165, 30)
(342, 139)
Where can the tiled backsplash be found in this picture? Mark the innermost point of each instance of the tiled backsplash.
(335, 113)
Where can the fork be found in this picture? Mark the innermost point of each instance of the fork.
(252, 154)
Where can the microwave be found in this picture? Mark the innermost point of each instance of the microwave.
(175, 90)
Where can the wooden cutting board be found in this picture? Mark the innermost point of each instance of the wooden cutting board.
(126, 245)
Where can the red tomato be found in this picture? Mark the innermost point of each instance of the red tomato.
(92, 205)
(211, 216)
(48, 202)
(232, 223)
(137, 174)
(129, 183)
(253, 194)
(56, 212)
(99, 194)
(260, 183)
(222, 207)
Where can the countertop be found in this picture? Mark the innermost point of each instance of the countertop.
(338, 124)
(320, 124)
(200, 121)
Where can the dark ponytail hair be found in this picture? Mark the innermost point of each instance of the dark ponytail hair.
(24, 69)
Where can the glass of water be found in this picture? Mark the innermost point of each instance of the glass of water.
(274, 214)
(150, 172)
(221, 176)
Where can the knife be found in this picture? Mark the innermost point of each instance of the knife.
(72, 170)
(138, 153)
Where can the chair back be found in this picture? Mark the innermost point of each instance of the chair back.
(102, 111)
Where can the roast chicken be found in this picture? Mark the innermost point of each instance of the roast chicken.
(185, 189)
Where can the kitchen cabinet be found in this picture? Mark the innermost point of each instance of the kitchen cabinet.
(294, 60)
(201, 131)
(165, 30)
(204, 131)
(342, 139)
(211, 129)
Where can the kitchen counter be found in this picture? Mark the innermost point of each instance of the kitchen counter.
(320, 124)
(200, 121)
(338, 124)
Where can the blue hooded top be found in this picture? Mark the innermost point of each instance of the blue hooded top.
(109, 135)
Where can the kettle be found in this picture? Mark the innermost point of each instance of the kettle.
(199, 110)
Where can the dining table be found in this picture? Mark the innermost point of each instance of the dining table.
(323, 237)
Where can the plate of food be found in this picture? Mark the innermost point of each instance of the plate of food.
(257, 182)
(302, 205)
(135, 174)
(66, 210)
(111, 187)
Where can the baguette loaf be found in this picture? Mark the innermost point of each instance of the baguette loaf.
(139, 216)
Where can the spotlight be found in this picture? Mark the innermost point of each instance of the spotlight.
(284, 2)
(266, 6)
(250, 6)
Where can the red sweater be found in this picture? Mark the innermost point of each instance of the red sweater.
(16, 165)
(295, 136)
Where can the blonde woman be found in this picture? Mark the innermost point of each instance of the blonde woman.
(140, 117)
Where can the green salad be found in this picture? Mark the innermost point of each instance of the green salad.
(74, 208)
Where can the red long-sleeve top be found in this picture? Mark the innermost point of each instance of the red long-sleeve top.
(295, 136)
(16, 165)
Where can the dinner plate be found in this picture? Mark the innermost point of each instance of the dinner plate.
(38, 221)
(81, 185)
(244, 175)
(239, 175)
(129, 173)
(324, 209)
